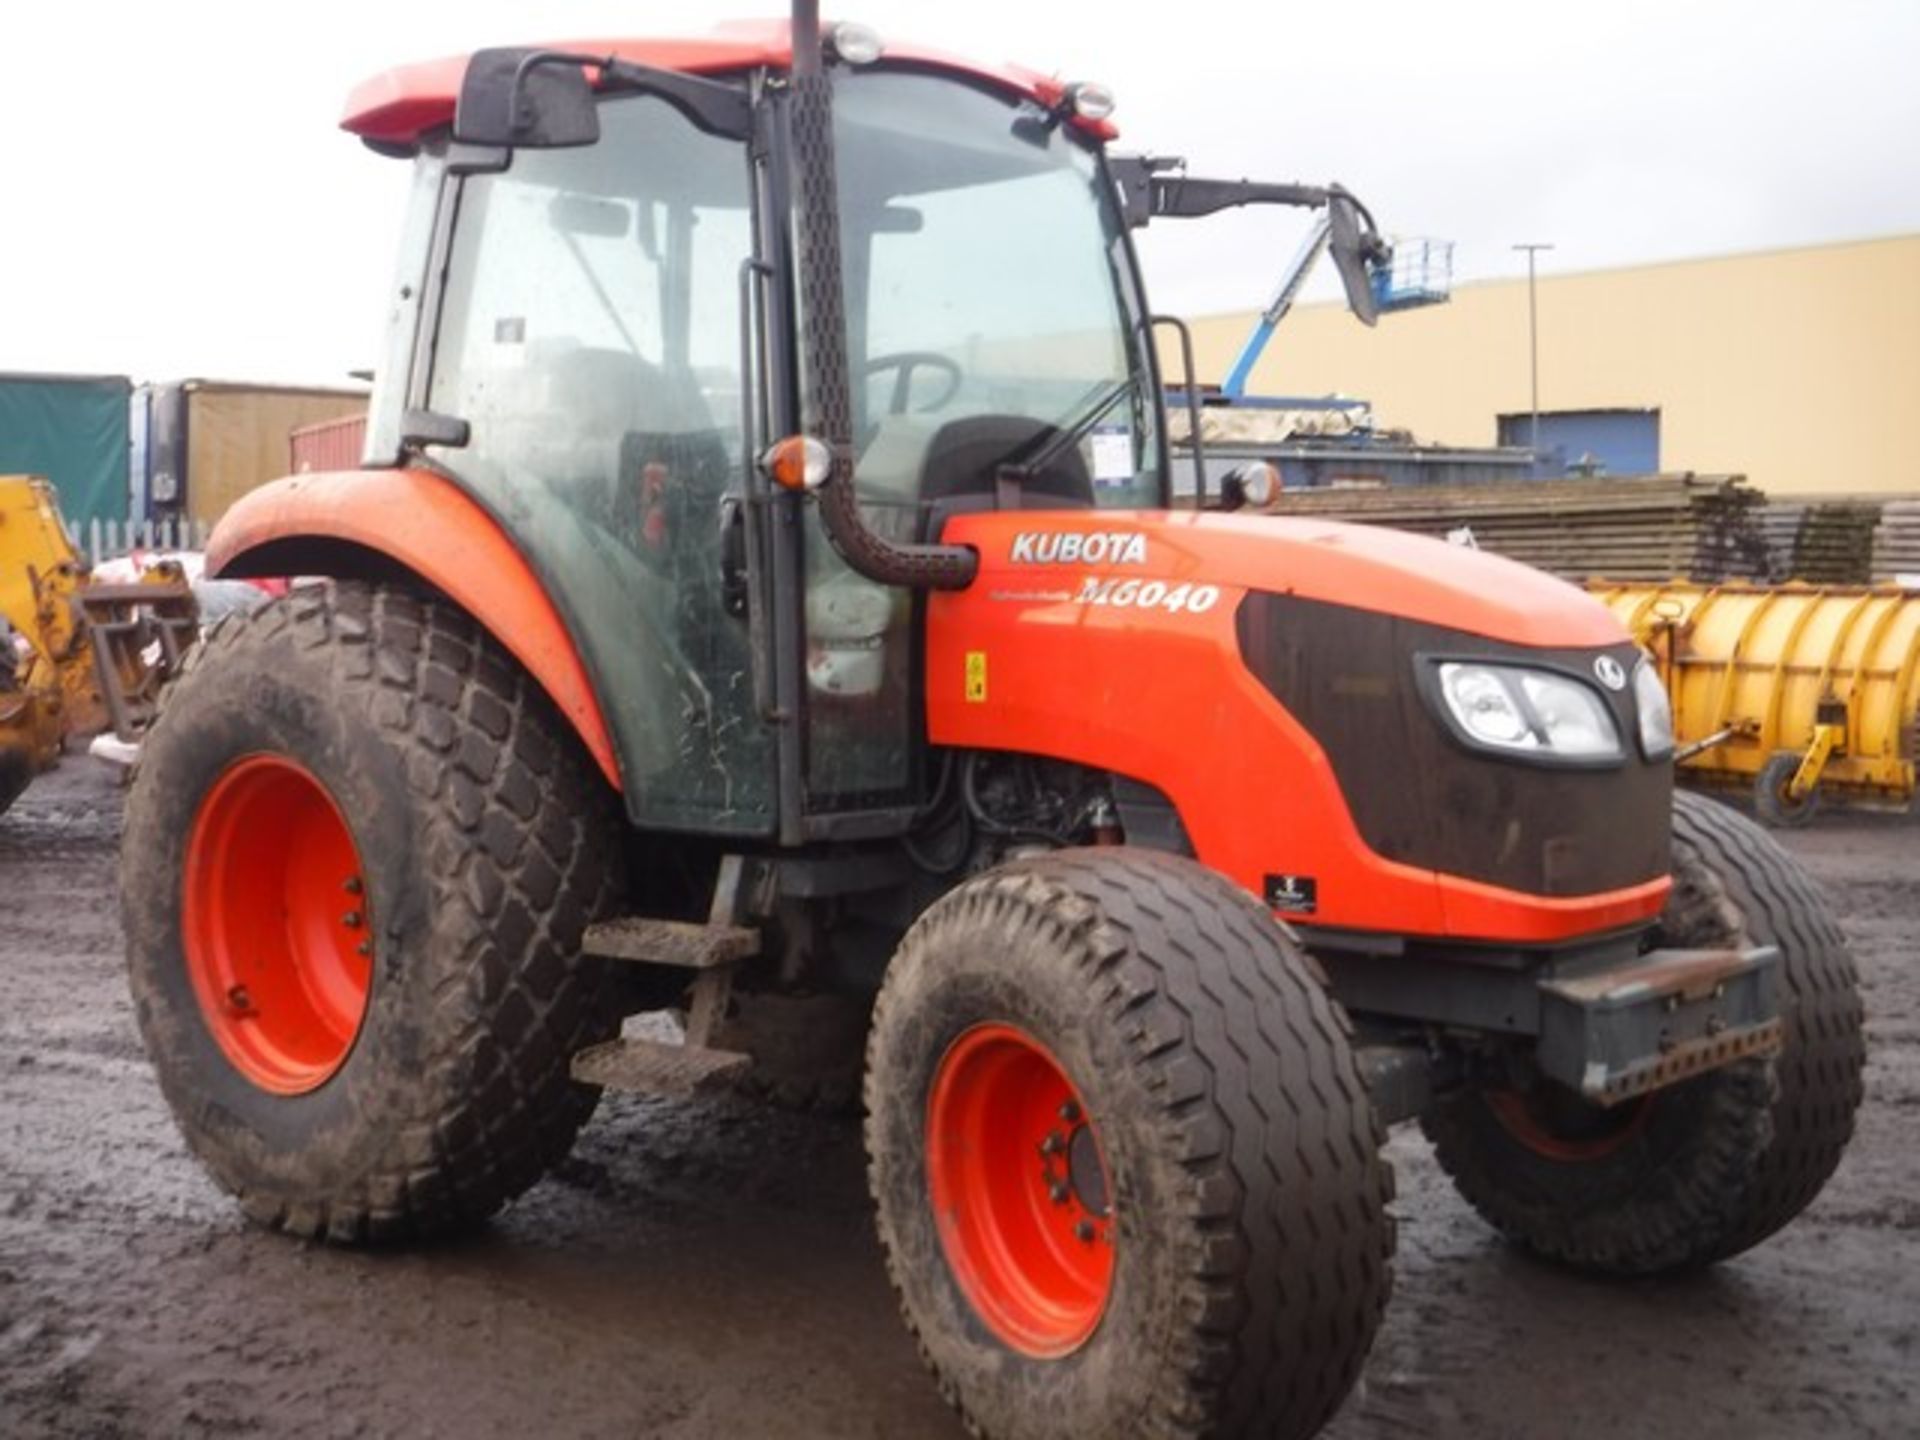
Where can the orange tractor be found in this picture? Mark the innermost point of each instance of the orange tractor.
(762, 601)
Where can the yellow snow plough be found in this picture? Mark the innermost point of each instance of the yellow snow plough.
(79, 657)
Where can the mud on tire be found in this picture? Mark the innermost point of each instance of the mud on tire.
(1714, 1166)
(485, 837)
(1251, 1244)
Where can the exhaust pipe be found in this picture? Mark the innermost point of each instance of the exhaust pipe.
(823, 336)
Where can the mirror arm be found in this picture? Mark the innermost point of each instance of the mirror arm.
(721, 110)
(1180, 197)
(1153, 187)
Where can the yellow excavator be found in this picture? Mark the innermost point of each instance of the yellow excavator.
(79, 657)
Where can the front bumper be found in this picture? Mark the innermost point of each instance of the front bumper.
(1606, 1021)
(1621, 1030)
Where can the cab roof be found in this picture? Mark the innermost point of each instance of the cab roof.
(398, 106)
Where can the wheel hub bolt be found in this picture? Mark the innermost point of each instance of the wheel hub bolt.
(1053, 1144)
(351, 919)
(1060, 1191)
(365, 947)
(1070, 1112)
(1083, 1232)
(238, 1000)
(353, 885)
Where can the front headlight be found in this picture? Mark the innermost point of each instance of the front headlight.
(1656, 712)
(1539, 713)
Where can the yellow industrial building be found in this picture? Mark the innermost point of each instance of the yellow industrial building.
(1797, 368)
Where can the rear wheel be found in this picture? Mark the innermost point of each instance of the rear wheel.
(274, 924)
(1127, 1174)
(360, 850)
(1694, 1174)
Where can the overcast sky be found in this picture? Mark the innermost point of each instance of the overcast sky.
(176, 200)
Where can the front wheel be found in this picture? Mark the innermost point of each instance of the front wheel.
(1697, 1173)
(360, 851)
(1127, 1174)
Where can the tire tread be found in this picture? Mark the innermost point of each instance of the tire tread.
(516, 828)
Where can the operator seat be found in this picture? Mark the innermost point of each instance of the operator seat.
(652, 460)
(964, 456)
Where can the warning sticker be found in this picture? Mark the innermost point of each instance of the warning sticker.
(1293, 894)
(976, 677)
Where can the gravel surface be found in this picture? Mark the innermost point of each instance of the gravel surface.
(708, 1269)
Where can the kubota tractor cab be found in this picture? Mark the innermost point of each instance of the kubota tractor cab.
(760, 602)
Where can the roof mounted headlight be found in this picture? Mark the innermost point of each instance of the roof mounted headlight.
(856, 44)
(1089, 100)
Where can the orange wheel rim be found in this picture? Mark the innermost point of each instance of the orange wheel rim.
(1597, 1135)
(1020, 1191)
(277, 932)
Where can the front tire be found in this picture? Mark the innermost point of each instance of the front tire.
(1126, 1171)
(1691, 1175)
(360, 850)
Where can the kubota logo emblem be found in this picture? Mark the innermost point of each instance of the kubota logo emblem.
(1072, 547)
(1610, 673)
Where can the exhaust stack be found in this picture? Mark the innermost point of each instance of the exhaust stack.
(823, 335)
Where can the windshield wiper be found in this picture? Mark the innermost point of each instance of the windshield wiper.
(1022, 470)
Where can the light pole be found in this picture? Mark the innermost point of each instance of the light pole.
(1533, 248)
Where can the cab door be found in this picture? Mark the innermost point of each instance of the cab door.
(589, 333)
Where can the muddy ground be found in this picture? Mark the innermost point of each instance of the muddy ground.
(707, 1270)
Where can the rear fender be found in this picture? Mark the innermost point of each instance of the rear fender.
(414, 524)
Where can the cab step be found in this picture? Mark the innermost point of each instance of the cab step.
(713, 952)
(654, 1067)
(684, 944)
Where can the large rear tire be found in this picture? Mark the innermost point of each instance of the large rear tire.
(1127, 1174)
(360, 850)
(1695, 1174)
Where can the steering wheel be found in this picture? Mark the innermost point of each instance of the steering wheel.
(906, 362)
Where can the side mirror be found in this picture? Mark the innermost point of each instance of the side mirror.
(1353, 245)
(525, 99)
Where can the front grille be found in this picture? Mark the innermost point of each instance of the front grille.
(1420, 796)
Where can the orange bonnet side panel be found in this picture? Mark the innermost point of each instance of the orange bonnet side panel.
(428, 525)
(1108, 638)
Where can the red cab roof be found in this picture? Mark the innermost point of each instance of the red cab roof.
(398, 106)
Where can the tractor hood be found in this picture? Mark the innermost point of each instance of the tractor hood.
(1269, 678)
(1361, 566)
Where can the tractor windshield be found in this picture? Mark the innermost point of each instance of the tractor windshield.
(990, 297)
(993, 318)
